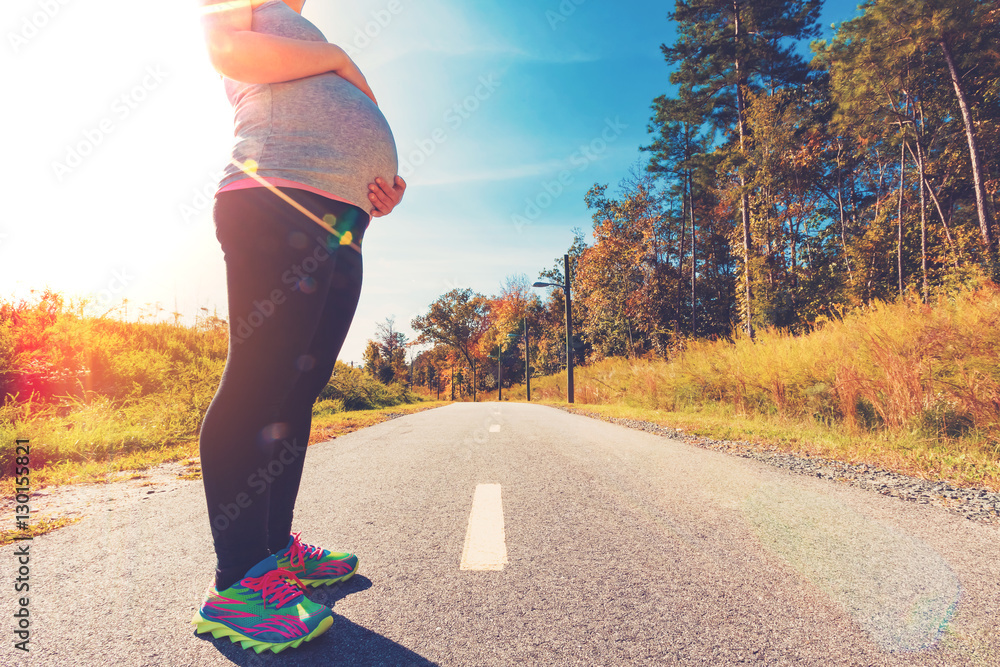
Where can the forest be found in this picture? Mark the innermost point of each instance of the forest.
(776, 193)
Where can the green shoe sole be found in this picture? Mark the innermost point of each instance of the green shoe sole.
(220, 630)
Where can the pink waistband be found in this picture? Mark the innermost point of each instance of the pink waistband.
(244, 183)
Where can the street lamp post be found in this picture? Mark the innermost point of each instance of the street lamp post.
(569, 327)
(499, 373)
(527, 364)
(569, 335)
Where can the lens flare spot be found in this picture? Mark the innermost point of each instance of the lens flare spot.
(274, 432)
(895, 586)
(307, 285)
(305, 363)
(330, 219)
(250, 166)
(346, 238)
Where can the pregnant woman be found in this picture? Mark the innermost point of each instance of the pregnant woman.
(313, 160)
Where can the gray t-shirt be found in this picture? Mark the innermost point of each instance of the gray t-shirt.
(320, 131)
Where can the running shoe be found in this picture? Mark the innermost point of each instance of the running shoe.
(315, 566)
(266, 610)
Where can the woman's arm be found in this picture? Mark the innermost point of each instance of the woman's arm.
(252, 57)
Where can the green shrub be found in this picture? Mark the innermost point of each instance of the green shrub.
(357, 390)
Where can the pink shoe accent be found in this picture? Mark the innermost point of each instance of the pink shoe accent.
(275, 587)
(298, 551)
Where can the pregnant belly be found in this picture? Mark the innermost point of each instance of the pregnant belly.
(326, 124)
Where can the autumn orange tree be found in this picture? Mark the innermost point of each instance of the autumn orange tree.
(432, 370)
(624, 280)
(515, 308)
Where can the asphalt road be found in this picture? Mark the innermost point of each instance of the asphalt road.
(622, 548)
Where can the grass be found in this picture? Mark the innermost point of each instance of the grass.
(105, 470)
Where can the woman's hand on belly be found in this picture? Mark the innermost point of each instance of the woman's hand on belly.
(346, 69)
(385, 197)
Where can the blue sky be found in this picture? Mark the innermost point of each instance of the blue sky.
(488, 101)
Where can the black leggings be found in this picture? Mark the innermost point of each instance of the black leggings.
(293, 289)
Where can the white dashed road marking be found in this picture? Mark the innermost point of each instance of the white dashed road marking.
(485, 543)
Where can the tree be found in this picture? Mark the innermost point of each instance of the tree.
(971, 27)
(372, 358)
(433, 368)
(724, 50)
(552, 317)
(385, 356)
(678, 153)
(458, 319)
(625, 279)
(392, 349)
(508, 312)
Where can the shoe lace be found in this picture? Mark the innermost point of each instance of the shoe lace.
(276, 586)
(299, 551)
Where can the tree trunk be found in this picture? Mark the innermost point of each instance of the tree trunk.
(744, 197)
(899, 234)
(694, 256)
(843, 221)
(923, 220)
(793, 250)
(941, 215)
(680, 259)
(985, 223)
(878, 192)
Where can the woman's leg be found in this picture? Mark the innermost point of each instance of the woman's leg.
(317, 368)
(280, 268)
